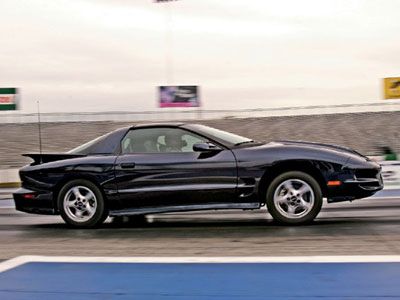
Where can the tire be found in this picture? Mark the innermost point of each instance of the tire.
(81, 204)
(294, 198)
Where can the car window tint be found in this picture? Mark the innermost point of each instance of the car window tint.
(190, 140)
(159, 140)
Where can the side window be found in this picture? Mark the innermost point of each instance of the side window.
(159, 140)
(189, 139)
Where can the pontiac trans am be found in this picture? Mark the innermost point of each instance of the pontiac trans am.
(157, 168)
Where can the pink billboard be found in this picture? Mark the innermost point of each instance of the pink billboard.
(179, 96)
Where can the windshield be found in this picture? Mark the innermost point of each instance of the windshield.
(228, 137)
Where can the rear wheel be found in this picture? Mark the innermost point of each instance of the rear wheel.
(81, 204)
(294, 198)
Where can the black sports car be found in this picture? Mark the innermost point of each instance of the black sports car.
(156, 168)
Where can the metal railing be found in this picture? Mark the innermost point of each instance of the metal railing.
(193, 114)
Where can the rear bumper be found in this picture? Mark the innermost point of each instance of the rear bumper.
(34, 202)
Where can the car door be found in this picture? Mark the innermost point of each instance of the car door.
(158, 167)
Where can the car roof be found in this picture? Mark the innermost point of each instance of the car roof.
(168, 124)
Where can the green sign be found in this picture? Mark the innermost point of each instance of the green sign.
(8, 98)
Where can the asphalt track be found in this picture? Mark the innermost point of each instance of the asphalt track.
(363, 227)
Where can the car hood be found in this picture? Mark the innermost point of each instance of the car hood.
(322, 146)
(299, 150)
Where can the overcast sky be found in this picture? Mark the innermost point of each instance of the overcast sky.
(105, 55)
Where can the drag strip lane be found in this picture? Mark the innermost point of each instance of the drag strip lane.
(365, 227)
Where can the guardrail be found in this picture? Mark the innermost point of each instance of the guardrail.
(171, 114)
(391, 174)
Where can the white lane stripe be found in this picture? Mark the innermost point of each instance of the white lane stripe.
(17, 261)
(13, 263)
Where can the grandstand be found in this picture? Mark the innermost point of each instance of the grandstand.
(363, 131)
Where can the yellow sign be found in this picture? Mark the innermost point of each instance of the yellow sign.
(391, 87)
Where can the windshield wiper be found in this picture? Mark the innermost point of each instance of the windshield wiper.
(245, 142)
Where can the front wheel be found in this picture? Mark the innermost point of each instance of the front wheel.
(294, 198)
(81, 204)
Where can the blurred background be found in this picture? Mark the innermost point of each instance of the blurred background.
(322, 71)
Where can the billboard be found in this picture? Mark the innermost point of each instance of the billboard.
(391, 87)
(8, 98)
(179, 96)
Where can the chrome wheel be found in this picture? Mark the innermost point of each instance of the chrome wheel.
(294, 198)
(80, 203)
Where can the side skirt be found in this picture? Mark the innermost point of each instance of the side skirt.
(178, 208)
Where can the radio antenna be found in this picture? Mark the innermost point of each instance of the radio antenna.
(40, 130)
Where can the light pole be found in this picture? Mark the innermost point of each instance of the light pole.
(169, 73)
(169, 62)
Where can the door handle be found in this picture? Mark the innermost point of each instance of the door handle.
(127, 165)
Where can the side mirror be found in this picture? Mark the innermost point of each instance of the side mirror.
(205, 147)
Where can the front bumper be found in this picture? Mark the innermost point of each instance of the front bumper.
(34, 202)
(356, 186)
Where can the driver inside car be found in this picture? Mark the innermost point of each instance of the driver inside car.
(173, 143)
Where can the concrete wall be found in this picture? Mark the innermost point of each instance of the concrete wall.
(361, 131)
(8, 176)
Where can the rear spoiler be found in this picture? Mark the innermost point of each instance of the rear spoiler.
(45, 158)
